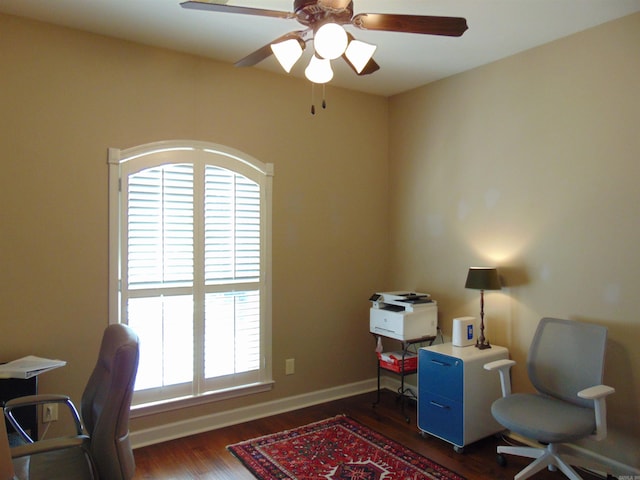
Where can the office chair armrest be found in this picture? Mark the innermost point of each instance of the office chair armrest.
(497, 364)
(503, 366)
(598, 393)
(38, 399)
(31, 400)
(47, 446)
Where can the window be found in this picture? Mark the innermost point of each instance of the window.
(190, 268)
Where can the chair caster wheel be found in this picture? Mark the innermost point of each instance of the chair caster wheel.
(458, 449)
(501, 459)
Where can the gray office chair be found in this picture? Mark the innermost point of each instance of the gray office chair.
(100, 450)
(565, 365)
(6, 466)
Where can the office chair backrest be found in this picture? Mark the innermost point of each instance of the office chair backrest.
(6, 465)
(565, 357)
(106, 401)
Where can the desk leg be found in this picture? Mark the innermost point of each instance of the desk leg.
(405, 346)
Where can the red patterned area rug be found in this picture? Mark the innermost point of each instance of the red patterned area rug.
(338, 448)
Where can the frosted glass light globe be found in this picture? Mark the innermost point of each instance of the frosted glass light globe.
(288, 52)
(319, 70)
(330, 41)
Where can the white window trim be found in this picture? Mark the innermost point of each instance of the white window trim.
(237, 161)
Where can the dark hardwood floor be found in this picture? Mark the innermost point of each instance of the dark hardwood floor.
(204, 456)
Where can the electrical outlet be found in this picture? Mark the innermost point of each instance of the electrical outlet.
(49, 412)
(289, 366)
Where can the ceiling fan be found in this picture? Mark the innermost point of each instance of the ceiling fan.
(324, 21)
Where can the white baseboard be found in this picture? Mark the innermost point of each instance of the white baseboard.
(192, 426)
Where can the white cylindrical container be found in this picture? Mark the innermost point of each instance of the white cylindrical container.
(464, 331)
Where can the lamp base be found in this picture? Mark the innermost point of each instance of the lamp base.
(482, 345)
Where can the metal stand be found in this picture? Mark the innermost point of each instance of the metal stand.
(482, 343)
(403, 393)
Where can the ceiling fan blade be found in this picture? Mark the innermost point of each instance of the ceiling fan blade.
(265, 52)
(256, 57)
(369, 68)
(448, 26)
(220, 7)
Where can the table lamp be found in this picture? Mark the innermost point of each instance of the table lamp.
(482, 278)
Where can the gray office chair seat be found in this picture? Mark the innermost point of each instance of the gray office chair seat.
(546, 419)
(70, 463)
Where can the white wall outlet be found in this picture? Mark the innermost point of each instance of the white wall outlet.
(49, 412)
(289, 366)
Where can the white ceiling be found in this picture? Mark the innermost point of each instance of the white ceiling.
(497, 29)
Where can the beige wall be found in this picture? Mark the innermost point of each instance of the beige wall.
(66, 97)
(531, 164)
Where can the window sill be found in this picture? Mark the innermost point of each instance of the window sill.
(193, 400)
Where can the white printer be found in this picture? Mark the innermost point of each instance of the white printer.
(403, 315)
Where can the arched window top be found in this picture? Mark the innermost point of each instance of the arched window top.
(159, 152)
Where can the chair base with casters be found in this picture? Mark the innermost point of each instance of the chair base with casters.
(552, 457)
(565, 365)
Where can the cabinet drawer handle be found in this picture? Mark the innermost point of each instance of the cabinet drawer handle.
(439, 405)
(442, 364)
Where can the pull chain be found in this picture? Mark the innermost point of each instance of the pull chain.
(324, 100)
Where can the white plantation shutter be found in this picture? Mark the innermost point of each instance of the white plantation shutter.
(232, 246)
(232, 319)
(193, 268)
(160, 227)
(232, 226)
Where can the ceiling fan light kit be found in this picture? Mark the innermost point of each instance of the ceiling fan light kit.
(319, 70)
(324, 21)
(288, 52)
(359, 53)
(330, 41)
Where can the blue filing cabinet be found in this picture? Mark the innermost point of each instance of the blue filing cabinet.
(455, 392)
